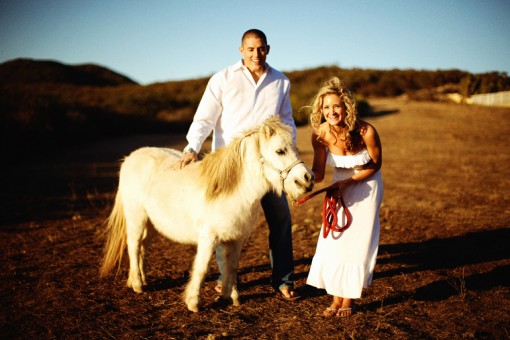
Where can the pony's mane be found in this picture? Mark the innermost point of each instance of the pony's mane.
(222, 169)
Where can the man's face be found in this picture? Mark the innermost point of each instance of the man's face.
(254, 53)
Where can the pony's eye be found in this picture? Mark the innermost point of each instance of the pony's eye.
(281, 152)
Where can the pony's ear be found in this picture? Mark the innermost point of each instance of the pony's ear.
(270, 126)
(268, 131)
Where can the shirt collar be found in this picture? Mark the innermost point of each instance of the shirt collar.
(240, 66)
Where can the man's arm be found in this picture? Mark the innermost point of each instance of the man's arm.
(286, 112)
(205, 118)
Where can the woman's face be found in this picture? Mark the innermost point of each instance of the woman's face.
(333, 109)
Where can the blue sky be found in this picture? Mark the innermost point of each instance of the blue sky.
(152, 41)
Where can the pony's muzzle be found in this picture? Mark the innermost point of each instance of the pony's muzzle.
(307, 183)
(310, 181)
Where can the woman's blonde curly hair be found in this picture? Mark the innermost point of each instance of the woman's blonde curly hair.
(350, 123)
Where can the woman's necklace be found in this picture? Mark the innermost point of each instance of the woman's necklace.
(338, 141)
(338, 133)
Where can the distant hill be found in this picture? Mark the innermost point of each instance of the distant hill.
(45, 104)
(28, 71)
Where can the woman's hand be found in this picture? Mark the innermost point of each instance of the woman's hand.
(339, 187)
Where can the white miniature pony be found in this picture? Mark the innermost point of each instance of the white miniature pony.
(208, 203)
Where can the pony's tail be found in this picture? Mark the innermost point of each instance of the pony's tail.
(115, 232)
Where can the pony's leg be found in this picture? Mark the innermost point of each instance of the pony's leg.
(231, 256)
(205, 248)
(141, 264)
(148, 235)
(135, 232)
(135, 277)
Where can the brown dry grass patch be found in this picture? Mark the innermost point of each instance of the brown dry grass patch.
(443, 268)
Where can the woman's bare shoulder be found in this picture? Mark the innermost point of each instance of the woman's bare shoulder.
(365, 128)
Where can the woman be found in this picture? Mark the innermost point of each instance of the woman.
(344, 262)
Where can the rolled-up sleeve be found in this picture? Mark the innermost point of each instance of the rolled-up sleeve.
(207, 114)
(286, 111)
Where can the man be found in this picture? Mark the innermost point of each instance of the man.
(237, 98)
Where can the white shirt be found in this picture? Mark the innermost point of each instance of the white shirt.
(233, 102)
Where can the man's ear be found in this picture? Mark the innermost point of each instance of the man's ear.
(267, 49)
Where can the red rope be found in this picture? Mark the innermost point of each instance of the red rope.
(313, 194)
(330, 217)
(329, 206)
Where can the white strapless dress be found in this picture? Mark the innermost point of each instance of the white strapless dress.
(344, 262)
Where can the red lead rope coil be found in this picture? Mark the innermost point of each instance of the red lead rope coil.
(329, 206)
(330, 217)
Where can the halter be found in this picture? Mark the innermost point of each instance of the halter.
(329, 215)
(283, 173)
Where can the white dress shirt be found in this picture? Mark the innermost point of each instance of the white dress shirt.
(233, 103)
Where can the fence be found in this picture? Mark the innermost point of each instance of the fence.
(491, 99)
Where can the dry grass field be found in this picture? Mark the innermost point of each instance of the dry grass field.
(443, 268)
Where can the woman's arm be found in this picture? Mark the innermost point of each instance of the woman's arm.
(319, 159)
(374, 148)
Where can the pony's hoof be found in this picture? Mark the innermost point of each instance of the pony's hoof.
(193, 308)
(191, 302)
(136, 285)
(138, 289)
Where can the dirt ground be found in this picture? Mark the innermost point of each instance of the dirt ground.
(443, 268)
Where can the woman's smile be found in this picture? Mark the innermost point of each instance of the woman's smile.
(333, 109)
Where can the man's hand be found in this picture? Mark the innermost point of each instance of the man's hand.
(186, 158)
